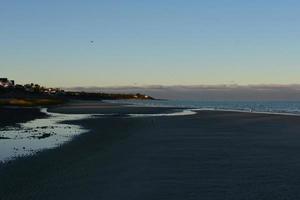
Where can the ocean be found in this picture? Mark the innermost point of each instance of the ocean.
(273, 107)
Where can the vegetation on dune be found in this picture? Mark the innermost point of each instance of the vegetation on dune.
(30, 102)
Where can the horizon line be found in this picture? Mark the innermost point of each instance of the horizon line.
(187, 86)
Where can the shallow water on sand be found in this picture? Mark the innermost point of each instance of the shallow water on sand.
(38, 134)
(33, 136)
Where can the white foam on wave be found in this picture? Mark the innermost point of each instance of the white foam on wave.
(178, 113)
(246, 111)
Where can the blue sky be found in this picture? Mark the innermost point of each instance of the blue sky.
(136, 42)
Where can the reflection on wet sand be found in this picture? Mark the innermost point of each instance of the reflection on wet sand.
(38, 134)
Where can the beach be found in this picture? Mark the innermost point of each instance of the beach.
(208, 155)
(12, 115)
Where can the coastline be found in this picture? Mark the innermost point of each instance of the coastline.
(209, 155)
(11, 116)
(98, 107)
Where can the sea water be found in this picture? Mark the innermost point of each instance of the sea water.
(272, 107)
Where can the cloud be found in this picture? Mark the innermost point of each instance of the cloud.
(208, 92)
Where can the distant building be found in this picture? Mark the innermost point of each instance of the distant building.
(4, 82)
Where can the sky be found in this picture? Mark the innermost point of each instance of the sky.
(157, 42)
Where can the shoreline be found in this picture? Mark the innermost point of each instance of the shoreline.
(111, 107)
(208, 155)
(249, 112)
(101, 109)
(11, 116)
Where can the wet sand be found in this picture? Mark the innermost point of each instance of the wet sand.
(10, 116)
(210, 155)
(96, 107)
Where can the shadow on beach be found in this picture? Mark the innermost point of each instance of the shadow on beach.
(209, 155)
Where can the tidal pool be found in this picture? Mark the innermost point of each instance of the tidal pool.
(32, 136)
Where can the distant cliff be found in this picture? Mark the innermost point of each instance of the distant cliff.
(37, 91)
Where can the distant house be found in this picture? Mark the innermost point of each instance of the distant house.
(4, 82)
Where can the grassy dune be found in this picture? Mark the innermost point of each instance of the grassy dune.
(30, 102)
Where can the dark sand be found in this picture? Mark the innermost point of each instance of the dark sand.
(96, 107)
(10, 116)
(211, 155)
